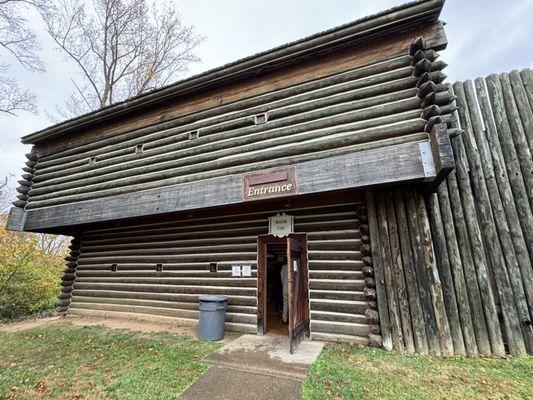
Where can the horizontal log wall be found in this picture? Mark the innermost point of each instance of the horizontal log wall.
(186, 249)
(338, 110)
(460, 280)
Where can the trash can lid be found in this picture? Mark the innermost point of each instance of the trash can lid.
(212, 297)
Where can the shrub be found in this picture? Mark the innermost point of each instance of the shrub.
(30, 272)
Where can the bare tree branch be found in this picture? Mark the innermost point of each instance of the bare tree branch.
(122, 48)
(18, 40)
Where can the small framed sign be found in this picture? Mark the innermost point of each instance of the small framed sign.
(281, 225)
(246, 270)
(236, 270)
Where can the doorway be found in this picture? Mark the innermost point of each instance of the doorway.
(277, 318)
(282, 287)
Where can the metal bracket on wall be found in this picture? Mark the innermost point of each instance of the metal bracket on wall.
(427, 161)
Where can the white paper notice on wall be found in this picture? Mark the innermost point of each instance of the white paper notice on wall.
(295, 265)
(246, 270)
(236, 270)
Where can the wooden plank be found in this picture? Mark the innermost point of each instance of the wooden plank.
(401, 163)
(327, 92)
(16, 219)
(441, 149)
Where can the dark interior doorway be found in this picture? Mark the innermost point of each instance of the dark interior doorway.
(276, 277)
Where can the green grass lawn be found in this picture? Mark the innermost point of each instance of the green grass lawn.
(62, 361)
(350, 372)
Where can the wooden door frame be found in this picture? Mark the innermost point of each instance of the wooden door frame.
(262, 242)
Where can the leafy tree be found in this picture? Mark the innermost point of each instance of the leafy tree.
(30, 268)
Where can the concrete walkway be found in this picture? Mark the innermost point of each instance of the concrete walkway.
(256, 368)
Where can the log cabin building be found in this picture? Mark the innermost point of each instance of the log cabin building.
(330, 154)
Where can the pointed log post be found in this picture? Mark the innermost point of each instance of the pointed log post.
(443, 264)
(504, 262)
(398, 273)
(514, 208)
(435, 287)
(390, 285)
(417, 315)
(461, 292)
(422, 278)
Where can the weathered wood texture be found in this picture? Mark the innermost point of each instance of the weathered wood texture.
(464, 253)
(493, 177)
(378, 166)
(325, 106)
(186, 248)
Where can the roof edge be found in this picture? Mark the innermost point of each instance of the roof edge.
(361, 27)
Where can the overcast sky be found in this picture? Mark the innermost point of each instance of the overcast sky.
(484, 36)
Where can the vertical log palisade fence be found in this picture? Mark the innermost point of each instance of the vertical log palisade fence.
(454, 266)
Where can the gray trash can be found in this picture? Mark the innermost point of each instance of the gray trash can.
(212, 317)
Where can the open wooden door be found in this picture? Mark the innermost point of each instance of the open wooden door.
(298, 291)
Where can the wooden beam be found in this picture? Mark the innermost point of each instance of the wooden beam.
(15, 222)
(394, 164)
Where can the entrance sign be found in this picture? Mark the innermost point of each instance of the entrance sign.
(281, 225)
(274, 183)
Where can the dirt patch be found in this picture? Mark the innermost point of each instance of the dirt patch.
(113, 323)
(27, 324)
(142, 326)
